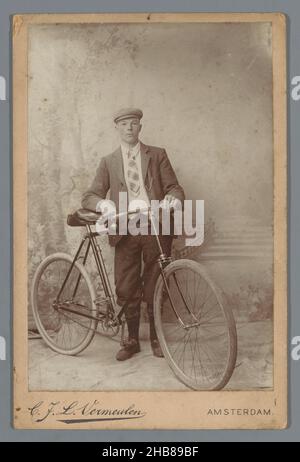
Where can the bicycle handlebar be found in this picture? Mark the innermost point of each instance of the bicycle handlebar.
(133, 212)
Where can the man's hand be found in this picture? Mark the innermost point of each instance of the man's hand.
(170, 201)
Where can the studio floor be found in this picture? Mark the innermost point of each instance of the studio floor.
(96, 368)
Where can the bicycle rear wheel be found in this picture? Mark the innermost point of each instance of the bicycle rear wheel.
(62, 316)
(200, 341)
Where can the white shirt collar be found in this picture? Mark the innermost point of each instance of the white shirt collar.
(135, 149)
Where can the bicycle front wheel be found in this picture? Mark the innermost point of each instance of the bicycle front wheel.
(195, 328)
(63, 304)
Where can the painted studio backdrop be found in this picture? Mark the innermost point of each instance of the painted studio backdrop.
(206, 94)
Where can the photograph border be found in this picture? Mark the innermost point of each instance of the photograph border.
(149, 410)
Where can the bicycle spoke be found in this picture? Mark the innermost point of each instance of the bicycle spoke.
(187, 337)
(212, 316)
(199, 356)
(204, 303)
(193, 359)
(178, 345)
(213, 359)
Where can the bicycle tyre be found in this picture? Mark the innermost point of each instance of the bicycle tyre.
(166, 339)
(42, 314)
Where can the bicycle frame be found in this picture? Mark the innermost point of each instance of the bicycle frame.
(90, 238)
(163, 260)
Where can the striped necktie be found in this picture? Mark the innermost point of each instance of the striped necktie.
(133, 174)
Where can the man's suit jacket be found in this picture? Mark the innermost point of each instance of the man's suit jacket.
(158, 175)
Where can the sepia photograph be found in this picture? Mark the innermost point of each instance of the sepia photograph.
(149, 221)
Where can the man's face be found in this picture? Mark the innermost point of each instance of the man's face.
(129, 130)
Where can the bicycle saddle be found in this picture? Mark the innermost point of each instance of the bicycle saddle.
(83, 217)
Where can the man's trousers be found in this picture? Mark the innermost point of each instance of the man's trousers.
(134, 284)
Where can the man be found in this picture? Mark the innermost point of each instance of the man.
(145, 173)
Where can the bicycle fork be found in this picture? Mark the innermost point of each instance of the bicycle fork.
(163, 261)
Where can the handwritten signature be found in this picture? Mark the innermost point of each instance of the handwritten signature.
(76, 412)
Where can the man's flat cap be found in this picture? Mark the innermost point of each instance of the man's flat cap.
(127, 113)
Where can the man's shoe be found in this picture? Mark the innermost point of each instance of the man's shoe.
(130, 347)
(157, 351)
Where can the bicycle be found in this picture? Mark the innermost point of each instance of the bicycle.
(196, 330)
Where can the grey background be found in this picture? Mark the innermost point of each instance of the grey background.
(6, 431)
